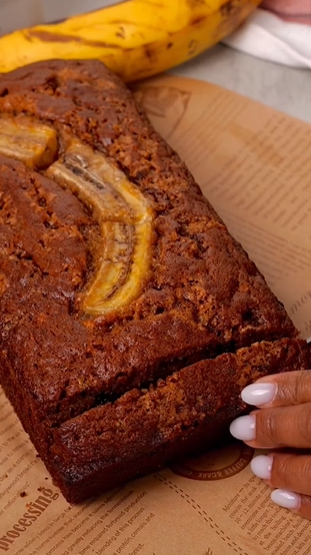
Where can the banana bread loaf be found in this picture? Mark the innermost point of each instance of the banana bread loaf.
(130, 319)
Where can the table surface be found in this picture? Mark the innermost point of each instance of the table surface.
(283, 88)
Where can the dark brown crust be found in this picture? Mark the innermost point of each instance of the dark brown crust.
(204, 296)
(143, 430)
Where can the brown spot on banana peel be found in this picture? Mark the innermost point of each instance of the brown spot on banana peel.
(198, 19)
(150, 52)
(196, 3)
(46, 36)
(192, 47)
(121, 33)
(126, 223)
(233, 15)
(230, 8)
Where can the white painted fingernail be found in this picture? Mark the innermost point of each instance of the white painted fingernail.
(262, 466)
(309, 340)
(286, 499)
(244, 427)
(258, 394)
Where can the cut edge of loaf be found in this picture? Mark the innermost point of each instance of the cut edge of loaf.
(145, 430)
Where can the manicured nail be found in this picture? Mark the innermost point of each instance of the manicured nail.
(309, 340)
(244, 427)
(262, 466)
(286, 499)
(258, 394)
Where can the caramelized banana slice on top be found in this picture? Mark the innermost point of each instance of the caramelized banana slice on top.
(124, 214)
(28, 141)
(125, 219)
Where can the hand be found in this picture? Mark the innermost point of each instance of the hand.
(283, 422)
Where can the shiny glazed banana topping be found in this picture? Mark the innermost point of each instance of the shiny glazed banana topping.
(123, 213)
(125, 220)
(27, 141)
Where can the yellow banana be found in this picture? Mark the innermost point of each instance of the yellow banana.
(135, 39)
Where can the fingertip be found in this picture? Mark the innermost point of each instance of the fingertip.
(244, 428)
(287, 499)
(261, 466)
(259, 393)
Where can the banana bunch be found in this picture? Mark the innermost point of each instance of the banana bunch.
(135, 39)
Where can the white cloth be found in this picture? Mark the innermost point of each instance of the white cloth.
(267, 36)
